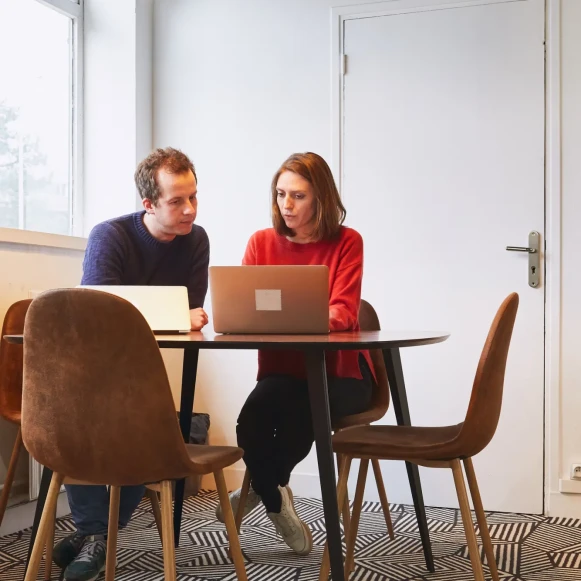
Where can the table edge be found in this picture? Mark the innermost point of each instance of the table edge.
(301, 346)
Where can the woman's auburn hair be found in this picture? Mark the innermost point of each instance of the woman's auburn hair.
(329, 210)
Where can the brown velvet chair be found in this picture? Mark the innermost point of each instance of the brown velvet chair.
(11, 410)
(11, 388)
(368, 321)
(442, 447)
(97, 409)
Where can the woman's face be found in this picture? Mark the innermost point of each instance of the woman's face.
(296, 202)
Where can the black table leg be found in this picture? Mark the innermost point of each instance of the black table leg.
(317, 379)
(394, 369)
(44, 485)
(189, 371)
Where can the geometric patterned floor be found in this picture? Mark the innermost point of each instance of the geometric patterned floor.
(527, 547)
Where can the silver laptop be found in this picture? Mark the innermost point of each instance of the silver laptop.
(270, 299)
(165, 308)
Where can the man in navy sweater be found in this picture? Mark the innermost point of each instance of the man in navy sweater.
(159, 245)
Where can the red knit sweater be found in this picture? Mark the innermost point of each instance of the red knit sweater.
(344, 257)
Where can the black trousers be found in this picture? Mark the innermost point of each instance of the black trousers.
(275, 428)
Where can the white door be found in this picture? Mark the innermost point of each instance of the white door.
(442, 168)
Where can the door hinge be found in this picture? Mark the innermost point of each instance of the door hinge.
(343, 64)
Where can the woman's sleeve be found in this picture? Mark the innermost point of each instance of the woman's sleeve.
(346, 288)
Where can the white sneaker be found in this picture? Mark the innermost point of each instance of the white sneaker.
(295, 533)
(252, 501)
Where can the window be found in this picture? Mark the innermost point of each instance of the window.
(39, 115)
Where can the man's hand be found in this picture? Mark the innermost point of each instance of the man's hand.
(198, 318)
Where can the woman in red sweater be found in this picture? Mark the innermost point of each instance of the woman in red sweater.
(274, 427)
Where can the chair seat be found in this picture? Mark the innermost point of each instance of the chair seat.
(204, 460)
(399, 442)
(208, 459)
(362, 419)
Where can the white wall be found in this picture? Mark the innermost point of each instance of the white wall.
(117, 104)
(239, 86)
(29, 268)
(143, 81)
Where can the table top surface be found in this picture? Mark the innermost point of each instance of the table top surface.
(338, 341)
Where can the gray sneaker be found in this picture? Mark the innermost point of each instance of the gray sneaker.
(66, 550)
(295, 533)
(90, 561)
(252, 501)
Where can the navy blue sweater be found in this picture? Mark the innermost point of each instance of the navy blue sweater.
(122, 251)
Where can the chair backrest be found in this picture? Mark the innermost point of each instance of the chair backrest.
(486, 398)
(11, 362)
(368, 321)
(96, 403)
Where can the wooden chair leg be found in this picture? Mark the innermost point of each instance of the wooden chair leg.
(383, 496)
(111, 563)
(242, 502)
(481, 518)
(357, 506)
(10, 474)
(49, 547)
(345, 510)
(346, 515)
(154, 501)
(341, 492)
(467, 520)
(169, 555)
(43, 527)
(235, 550)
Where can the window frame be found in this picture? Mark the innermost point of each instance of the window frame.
(74, 10)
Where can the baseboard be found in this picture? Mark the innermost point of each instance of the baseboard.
(303, 484)
(564, 505)
(21, 516)
(17, 484)
(308, 485)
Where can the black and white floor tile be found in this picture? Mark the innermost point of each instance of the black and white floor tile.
(527, 547)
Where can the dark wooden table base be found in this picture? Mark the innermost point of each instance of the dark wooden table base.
(392, 359)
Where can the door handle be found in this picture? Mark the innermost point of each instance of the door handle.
(521, 249)
(534, 261)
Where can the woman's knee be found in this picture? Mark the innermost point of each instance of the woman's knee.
(260, 400)
(267, 398)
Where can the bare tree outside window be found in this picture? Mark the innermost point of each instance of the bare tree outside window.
(36, 116)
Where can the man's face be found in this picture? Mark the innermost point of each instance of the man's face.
(177, 205)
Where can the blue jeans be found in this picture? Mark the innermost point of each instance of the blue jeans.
(90, 507)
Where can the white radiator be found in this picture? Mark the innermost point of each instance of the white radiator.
(34, 476)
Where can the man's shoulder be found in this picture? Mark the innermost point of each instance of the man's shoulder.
(198, 232)
(197, 237)
(115, 227)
